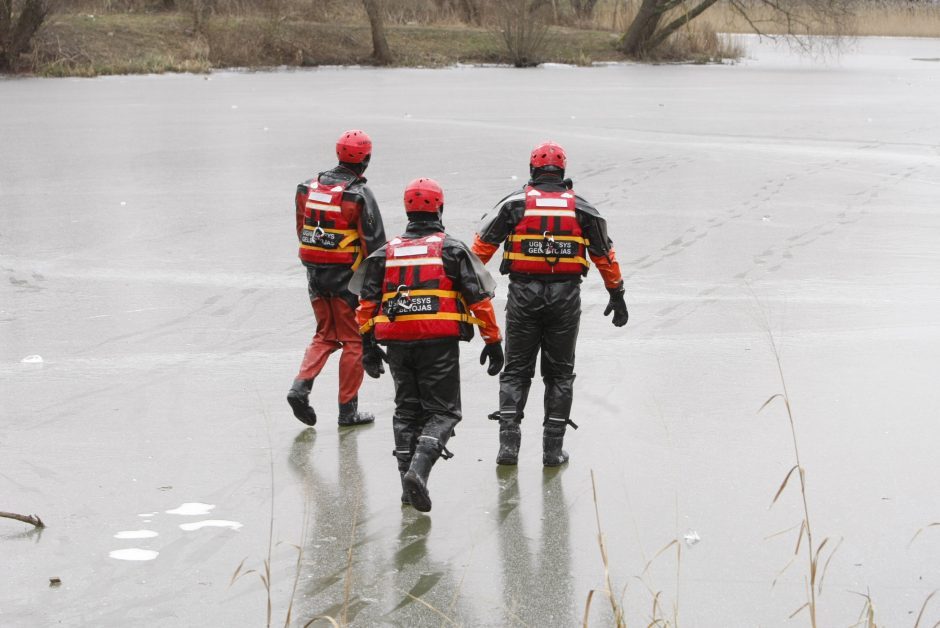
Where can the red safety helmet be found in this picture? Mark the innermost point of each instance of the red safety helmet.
(353, 146)
(548, 154)
(424, 195)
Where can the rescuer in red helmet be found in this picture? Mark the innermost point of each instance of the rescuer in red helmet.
(419, 295)
(548, 233)
(338, 224)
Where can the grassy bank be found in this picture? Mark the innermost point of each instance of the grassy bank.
(82, 45)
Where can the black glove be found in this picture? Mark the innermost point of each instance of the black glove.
(493, 351)
(372, 356)
(617, 305)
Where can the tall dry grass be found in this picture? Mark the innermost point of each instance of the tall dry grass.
(814, 575)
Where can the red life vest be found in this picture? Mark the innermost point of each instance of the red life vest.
(418, 301)
(548, 239)
(327, 237)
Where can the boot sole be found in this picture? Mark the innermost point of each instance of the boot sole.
(509, 462)
(417, 493)
(363, 418)
(302, 411)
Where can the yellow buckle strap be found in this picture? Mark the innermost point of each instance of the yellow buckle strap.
(561, 260)
(346, 249)
(404, 318)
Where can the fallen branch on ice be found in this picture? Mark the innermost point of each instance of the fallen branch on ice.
(30, 519)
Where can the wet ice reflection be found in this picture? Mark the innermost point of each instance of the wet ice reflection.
(537, 587)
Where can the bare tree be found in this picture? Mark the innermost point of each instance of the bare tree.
(583, 9)
(522, 25)
(471, 11)
(201, 11)
(656, 20)
(19, 21)
(381, 55)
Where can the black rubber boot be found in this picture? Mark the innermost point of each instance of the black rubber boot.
(415, 481)
(403, 466)
(299, 399)
(553, 437)
(349, 414)
(510, 438)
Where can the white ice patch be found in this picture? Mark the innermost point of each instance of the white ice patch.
(191, 509)
(147, 514)
(691, 538)
(32, 359)
(136, 534)
(133, 553)
(210, 523)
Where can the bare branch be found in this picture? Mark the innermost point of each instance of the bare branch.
(33, 520)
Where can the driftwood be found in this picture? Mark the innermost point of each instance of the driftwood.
(30, 519)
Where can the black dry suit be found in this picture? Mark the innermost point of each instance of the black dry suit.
(543, 313)
(426, 372)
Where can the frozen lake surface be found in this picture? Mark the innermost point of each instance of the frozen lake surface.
(147, 252)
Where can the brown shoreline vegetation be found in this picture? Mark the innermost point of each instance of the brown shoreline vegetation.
(99, 37)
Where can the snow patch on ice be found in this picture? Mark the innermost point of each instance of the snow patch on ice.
(210, 523)
(136, 534)
(147, 514)
(32, 359)
(191, 509)
(133, 553)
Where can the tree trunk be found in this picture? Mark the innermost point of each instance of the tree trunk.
(16, 35)
(381, 55)
(678, 23)
(169, 5)
(642, 29)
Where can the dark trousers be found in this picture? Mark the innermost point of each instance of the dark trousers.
(542, 318)
(427, 394)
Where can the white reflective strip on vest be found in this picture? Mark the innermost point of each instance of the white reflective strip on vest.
(415, 261)
(550, 212)
(551, 202)
(410, 251)
(323, 208)
(320, 196)
(534, 192)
